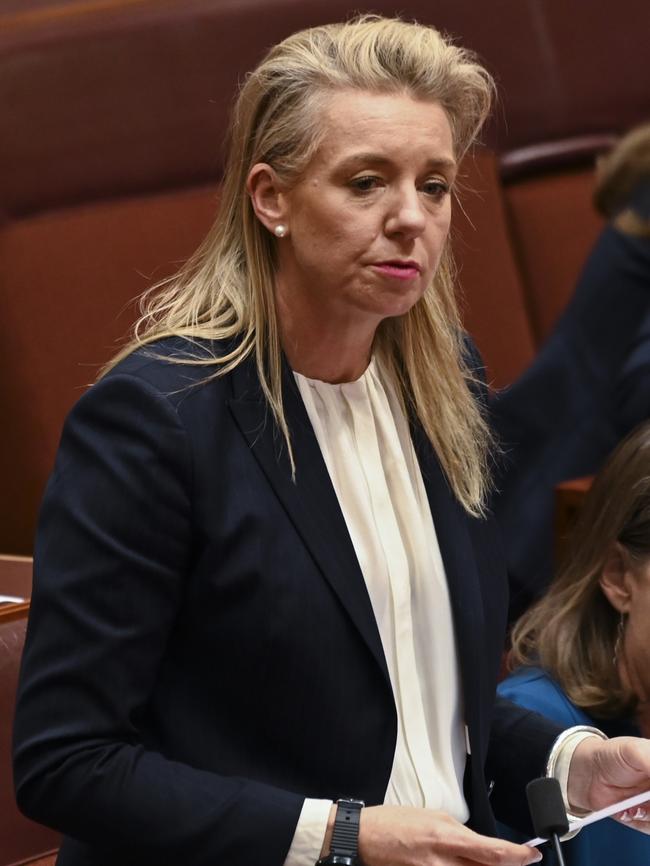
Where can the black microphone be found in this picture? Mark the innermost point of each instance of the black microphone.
(547, 811)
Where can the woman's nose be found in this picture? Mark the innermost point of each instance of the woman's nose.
(406, 215)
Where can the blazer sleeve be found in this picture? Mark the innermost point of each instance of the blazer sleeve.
(113, 549)
(520, 743)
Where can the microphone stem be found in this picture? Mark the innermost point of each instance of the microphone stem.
(558, 849)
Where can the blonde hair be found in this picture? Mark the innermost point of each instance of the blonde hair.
(572, 631)
(619, 173)
(225, 290)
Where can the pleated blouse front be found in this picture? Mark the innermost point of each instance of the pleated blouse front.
(366, 444)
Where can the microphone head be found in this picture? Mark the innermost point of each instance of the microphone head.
(547, 807)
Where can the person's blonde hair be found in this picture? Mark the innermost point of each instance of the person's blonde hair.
(225, 290)
(572, 630)
(619, 173)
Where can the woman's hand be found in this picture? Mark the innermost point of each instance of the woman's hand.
(606, 771)
(406, 836)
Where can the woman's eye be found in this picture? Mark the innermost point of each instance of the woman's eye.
(435, 188)
(366, 183)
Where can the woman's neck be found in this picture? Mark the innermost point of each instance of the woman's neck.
(328, 365)
(331, 351)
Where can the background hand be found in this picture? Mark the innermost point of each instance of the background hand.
(605, 771)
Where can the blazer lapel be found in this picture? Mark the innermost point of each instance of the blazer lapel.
(311, 501)
(450, 520)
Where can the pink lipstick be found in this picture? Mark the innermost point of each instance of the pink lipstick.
(401, 270)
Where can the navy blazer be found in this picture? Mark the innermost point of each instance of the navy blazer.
(202, 653)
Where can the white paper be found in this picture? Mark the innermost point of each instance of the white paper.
(607, 812)
(11, 599)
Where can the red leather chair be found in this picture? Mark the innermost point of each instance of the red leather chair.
(21, 841)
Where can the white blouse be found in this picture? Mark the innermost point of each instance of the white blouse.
(364, 437)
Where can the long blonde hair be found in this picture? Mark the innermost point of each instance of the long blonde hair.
(225, 290)
(572, 631)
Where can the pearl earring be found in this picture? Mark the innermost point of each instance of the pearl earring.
(280, 231)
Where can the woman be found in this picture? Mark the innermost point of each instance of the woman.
(583, 651)
(265, 515)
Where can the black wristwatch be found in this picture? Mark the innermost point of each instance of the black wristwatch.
(344, 846)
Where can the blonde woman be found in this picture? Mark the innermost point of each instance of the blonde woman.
(582, 653)
(265, 576)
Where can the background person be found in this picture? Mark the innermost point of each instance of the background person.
(590, 383)
(265, 576)
(582, 653)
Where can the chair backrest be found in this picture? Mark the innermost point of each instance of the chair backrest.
(492, 294)
(553, 228)
(21, 840)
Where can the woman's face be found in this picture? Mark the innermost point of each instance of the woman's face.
(369, 219)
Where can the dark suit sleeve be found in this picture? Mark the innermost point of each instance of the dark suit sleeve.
(520, 743)
(113, 550)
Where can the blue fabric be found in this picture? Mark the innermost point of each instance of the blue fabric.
(606, 842)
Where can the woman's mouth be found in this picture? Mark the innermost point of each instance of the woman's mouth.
(401, 270)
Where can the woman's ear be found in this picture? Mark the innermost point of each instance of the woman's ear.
(616, 578)
(267, 196)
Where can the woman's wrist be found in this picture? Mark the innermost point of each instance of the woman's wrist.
(581, 774)
(569, 773)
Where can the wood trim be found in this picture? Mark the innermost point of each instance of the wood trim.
(10, 612)
(47, 858)
(566, 153)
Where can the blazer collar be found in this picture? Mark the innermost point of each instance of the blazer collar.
(310, 502)
(312, 505)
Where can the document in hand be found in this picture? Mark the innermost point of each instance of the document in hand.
(607, 812)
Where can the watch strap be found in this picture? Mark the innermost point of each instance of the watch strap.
(345, 833)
